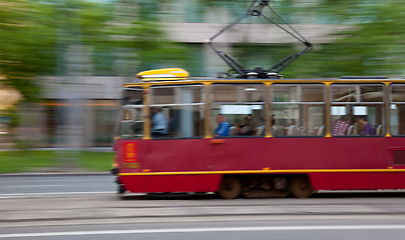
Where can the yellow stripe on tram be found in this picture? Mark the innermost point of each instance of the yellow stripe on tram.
(265, 171)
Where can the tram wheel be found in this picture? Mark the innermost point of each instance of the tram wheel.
(231, 187)
(300, 186)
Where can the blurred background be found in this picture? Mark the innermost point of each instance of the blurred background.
(63, 62)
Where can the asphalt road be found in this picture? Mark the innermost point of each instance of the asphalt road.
(87, 207)
(314, 229)
(56, 183)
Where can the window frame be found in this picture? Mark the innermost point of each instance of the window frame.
(322, 104)
(122, 111)
(359, 103)
(263, 103)
(390, 110)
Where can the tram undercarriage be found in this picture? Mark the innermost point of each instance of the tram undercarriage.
(265, 185)
(258, 186)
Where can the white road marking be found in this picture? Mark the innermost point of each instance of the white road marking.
(30, 186)
(219, 229)
(9, 195)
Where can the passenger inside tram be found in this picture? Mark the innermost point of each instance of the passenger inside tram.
(365, 127)
(223, 126)
(340, 126)
(159, 123)
(246, 128)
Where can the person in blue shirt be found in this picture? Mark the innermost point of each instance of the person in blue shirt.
(159, 123)
(223, 126)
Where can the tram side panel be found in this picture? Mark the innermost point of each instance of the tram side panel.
(165, 166)
(396, 161)
(352, 163)
(197, 165)
(331, 163)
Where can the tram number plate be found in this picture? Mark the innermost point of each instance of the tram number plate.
(130, 156)
(131, 165)
(130, 152)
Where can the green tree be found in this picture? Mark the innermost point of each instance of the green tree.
(141, 41)
(374, 45)
(116, 38)
(36, 35)
(24, 50)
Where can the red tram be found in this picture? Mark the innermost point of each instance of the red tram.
(292, 146)
(255, 134)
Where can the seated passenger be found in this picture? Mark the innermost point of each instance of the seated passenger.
(260, 131)
(234, 130)
(223, 127)
(340, 126)
(246, 128)
(159, 123)
(365, 127)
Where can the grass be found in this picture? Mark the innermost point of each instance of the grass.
(39, 161)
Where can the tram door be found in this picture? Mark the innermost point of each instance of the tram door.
(397, 150)
(240, 109)
(238, 133)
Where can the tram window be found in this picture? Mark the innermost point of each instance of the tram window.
(312, 93)
(345, 93)
(182, 107)
(357, 110)
(357, 93)
(163, 95)
(132, 95)
(131, 113)
(397, 109)
(298, 110)
(241, 106)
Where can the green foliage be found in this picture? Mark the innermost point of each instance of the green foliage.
(374, 45)
(39, 161)
(38, 36)
(16, 161)
(141, 37)
(97, 161)
(127, 36)
(22, 53)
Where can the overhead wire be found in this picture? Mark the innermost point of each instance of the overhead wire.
(255, 9)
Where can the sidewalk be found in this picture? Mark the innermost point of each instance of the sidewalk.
(107, 207)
